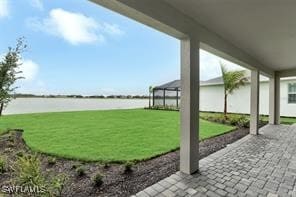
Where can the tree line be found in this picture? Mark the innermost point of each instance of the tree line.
(19, 95)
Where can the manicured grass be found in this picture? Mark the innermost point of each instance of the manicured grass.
(284, 120)
(287, 120)
(113, 135)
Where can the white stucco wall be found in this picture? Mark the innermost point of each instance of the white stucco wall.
(212, 99)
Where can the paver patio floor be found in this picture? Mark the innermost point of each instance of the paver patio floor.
(263, 165)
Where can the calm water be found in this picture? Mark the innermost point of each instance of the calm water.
(36, 105)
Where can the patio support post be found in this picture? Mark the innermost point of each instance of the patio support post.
(274, 99)
(189, 146)
(177, 104)
(153, 95)
(163, 97)
(254, 116)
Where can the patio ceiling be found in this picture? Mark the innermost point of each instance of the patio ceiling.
(265, 29)
(255, 34)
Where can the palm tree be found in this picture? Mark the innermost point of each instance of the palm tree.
(232, 81)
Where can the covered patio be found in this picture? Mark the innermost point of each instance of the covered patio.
(252, 166)
(259, 35)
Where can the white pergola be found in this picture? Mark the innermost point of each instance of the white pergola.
(259, 35)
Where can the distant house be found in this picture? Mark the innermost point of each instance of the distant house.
(212, 95)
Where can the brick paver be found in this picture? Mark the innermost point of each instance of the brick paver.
(263, 165)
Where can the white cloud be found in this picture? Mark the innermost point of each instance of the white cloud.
(112, 29)
(37, 4)
(29, 70)
(4, 8)
(75, 28)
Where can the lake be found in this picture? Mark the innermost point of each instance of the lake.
(38, 105)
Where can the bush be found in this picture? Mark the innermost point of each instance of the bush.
(243, 122)
(28, 171)
(20, 154)
(231, 119)
(2, 165)
(128, 167)
(8, 150)
(75, 166)
(58, 184)
(10, 144)
(51, 161)
(98, 180)
(106, 165)
(80, 171)
(167, 107)
(10, 138)
(263, 119)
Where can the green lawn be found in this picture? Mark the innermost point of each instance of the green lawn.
(287, 120)
(113, 135)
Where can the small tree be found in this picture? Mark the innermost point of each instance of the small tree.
(232, 81)
(9, 73)
(150, 92)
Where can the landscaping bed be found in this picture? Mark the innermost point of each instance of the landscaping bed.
(117, 179)
(241, 119)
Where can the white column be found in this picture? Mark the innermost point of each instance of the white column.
(274, 100)
(189, 145)
(254, 116)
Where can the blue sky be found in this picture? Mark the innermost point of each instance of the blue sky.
(77, 47)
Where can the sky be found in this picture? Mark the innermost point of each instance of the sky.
(78, 47)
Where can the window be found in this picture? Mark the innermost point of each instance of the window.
(292, 93)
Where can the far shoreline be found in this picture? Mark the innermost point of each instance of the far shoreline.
(77, 98)
(82, 96)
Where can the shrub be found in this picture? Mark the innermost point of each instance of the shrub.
(10, 138)
(75, 166)
(8, 150)
(244, 122)
(2, 165)
(263, 119)
(98, 180)
(20, 154)
(58, 184)
(166, 107)
(232, 119)
(28, 171)
(220, 118)
(80, 171)
(10, 144)
(51, 161)
(106, 165)
(128, 167)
